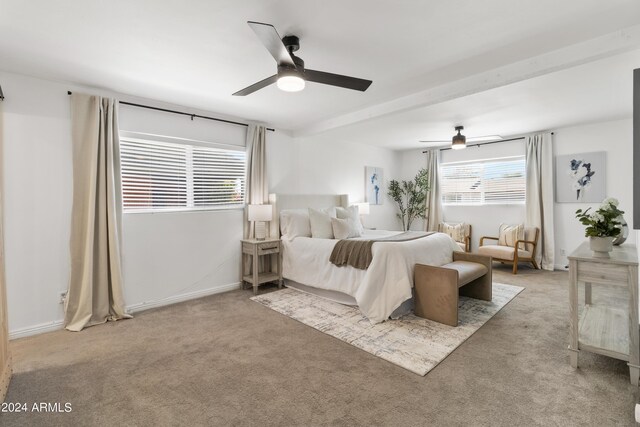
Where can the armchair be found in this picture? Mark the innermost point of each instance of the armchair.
(509, 253)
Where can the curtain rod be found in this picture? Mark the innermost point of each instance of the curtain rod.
(183, 113)
(484, 143)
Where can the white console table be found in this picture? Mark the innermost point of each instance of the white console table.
(607, 329)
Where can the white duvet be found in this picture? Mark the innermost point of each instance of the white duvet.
(381, 288)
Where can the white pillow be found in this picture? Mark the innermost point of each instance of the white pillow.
(510, 233)
(456, 231)
(320, 224)
(352, 215)
(295, 223)
(341, 228)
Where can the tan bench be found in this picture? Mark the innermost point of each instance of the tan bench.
(437, 288)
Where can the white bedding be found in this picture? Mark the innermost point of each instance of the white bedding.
(381, 288)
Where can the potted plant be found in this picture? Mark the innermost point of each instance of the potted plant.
(602, 226)
(411, 197)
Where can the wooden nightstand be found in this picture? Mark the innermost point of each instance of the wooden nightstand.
(261, 249)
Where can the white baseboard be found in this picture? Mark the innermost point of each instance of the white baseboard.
(560, 267)
(36, 330)
(58, 324)
(182, 297)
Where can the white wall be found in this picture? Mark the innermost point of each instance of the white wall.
(167, 256)
(614, 137)
(37, 214)
(328, 166)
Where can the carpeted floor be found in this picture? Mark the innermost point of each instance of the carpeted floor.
(225, 360)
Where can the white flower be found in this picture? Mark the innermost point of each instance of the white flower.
(610, 201)
(596, 216)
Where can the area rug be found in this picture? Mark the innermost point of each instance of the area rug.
(411, 342)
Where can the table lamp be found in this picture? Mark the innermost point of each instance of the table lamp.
(363, 209)
(260, 214)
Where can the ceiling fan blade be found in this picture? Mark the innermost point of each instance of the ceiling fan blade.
(272, 41)
(257, 86)
(337, 80)
(434, 142)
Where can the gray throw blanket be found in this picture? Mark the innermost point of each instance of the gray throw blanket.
(357, 253)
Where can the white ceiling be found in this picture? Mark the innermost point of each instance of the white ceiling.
(597, 91)
(197, 53)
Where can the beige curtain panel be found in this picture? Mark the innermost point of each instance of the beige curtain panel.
(95, 286)
(539, 195)
(257, 186)
(434, 201)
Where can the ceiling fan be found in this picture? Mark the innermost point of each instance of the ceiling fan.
(459, 141)
(292, 75)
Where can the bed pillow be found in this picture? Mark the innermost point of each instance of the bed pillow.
(344, 228)
(321, 223)
(351, 214)
(295, 223)
(456, 231)
(341, 228)
(509, 234)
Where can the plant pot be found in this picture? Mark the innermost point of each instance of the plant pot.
(601, 246)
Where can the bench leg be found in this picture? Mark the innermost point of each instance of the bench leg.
(436, 294)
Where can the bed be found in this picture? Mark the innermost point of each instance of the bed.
(381, 289)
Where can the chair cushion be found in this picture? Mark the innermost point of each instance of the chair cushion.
(467, 271)
(502, 252)
(462, 246)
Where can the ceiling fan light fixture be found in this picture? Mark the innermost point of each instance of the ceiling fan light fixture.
(291, 83)
(459, 141)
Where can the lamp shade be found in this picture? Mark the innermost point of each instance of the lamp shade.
(260, 213)
(363, 208)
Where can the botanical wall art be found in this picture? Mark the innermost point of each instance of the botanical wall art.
(373, 185)
(581, 178)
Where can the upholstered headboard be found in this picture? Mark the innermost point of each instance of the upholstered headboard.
(281, 202)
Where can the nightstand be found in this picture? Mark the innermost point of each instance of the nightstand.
(266, 256)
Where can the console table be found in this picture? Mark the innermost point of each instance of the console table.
(608, 329)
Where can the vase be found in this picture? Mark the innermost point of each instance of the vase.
(601, 246)
(624, 231)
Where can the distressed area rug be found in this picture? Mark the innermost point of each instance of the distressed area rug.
(411, 342)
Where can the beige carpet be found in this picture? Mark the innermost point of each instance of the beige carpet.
(411, 342)
(225, 360)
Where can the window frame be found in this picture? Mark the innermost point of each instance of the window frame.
(151, 138)
(483, 161)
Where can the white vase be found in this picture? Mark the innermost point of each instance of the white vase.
(601, 246)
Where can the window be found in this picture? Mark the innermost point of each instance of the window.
(159, 175)
(486, 182)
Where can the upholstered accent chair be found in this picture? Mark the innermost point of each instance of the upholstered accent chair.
(459, 231)
(505, 253)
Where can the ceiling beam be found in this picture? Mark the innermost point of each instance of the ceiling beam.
(577, 54)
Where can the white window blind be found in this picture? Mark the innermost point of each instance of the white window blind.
(158, 175)
(491, 181)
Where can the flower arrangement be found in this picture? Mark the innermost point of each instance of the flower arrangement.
(604, 221)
